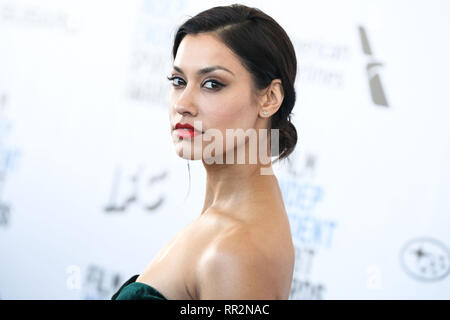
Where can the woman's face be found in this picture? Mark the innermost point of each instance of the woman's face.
(216, 99)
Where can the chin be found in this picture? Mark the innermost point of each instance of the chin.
(187, 157)
(186, 153)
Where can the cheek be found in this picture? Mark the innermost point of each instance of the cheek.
(231, 111)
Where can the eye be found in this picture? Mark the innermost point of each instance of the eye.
(174, 78)
(217, 84)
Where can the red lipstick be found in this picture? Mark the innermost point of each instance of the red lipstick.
(186, 130)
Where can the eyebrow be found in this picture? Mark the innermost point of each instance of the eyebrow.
(205, 70)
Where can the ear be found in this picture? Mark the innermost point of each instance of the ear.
(272, 99)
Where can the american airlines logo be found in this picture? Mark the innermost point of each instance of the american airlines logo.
(372, 68)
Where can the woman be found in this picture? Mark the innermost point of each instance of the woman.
(234, 68)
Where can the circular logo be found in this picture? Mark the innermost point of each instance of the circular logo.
(425, 259)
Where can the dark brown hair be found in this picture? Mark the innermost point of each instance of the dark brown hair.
(263, 48)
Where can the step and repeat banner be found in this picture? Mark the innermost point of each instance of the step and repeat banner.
(91, 188)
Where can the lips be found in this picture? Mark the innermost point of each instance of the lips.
(186, 130)
(186, 126)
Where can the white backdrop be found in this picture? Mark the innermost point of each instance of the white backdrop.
(91, 188)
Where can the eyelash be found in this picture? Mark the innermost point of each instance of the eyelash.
(220, 85)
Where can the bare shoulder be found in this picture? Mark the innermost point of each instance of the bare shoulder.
(236, 267)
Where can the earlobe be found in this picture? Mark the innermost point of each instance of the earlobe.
(264, 113)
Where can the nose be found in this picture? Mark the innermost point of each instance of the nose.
(184, 110)
(185, 105)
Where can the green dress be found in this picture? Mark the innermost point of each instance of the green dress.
(132, 290)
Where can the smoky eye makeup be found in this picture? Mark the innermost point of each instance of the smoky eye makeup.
(215, 84)
(171, 78)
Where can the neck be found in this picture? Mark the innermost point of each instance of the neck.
(234, 187)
